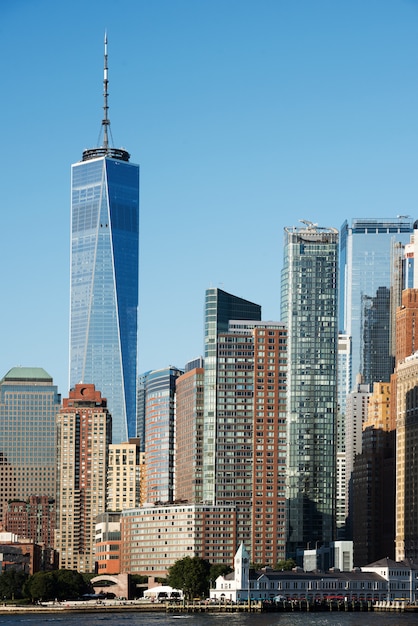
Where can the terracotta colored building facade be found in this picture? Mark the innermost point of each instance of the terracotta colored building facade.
(84, 432)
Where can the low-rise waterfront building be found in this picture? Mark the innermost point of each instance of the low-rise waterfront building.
(380, 581)
(154, 537)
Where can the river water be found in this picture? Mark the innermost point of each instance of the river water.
(265, 619)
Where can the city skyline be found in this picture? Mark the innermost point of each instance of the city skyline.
(235, 111)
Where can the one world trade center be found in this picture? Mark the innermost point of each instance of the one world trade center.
(104, 275)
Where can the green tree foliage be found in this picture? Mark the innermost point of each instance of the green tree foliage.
(70, 584)
(59, 584)
(40, 586)
(11, 584)
(285, 565)
(219, 569)
(134, 581)
(190, 574)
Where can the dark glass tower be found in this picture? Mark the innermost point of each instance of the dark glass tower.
(309, 309)
(104, 276)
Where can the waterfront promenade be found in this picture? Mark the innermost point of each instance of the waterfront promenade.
(197, 606)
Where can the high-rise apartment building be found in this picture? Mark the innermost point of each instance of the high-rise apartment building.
(29, 402)
(245, 421)
(343, 389)
(220, 307)
(104, 276)
(84, 432)
(189, 435)
(357, 407)
(124, 474)
(268, 521)
(160, 415)
(251, 434)
(373, 477)
(405, 412)
(368, 247)
(406, 342)
(140, 408)
(407, 325)
(309, 302)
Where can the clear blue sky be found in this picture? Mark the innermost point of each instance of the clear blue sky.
(245, 117)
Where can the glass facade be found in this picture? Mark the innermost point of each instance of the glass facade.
(309, 309)
(140, 408)
(220, 308)
(29, 402)
(366, 265)
(343, 389)
(104, 284)
(160, 416)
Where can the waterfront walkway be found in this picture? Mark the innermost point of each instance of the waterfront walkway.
(197, 606)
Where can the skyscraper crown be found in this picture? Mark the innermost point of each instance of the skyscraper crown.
(105, 150)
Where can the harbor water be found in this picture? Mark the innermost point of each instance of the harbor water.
(162, 619)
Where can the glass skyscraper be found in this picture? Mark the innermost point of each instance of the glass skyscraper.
(104, 278)
(160, 420)
(309, 308)
(29, 403)
(367, 263)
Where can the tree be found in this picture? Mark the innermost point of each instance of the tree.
(285, 565)
(219, 569)
(40, 586)
(61, 584)
(69, 584)
(135, 580)
(11, 584)
(191, 574)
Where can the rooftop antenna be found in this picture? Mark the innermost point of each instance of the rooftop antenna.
(106, 150)
(105, 120)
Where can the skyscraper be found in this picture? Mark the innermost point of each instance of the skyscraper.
(343, 389)
(104, 276)
(251, 434)
(373, 501)
(140, 408)
(309, 309)
(124, 473)
(189, 435)
(29, 402)
(220, 307)
(245, 421)
(367, 250)
(357, 406)
(160, 413)
(84, 432)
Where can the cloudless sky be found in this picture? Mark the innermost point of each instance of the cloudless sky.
(245, 117)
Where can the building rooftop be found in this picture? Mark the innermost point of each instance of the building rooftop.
(27, 374)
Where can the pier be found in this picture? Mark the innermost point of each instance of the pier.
(260, 606)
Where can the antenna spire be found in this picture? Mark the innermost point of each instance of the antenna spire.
(106, 150)
(105, 120)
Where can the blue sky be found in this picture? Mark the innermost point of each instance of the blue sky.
(245, 117)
